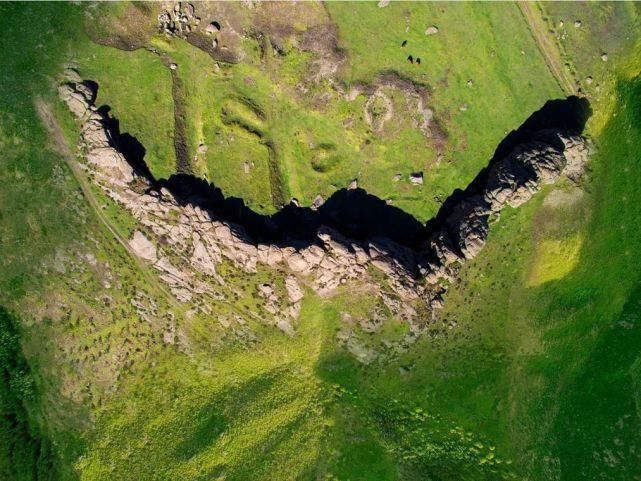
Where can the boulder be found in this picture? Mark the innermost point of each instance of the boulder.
(318, 201)
(143, 247)
(112, 164)
(416, 178)
(294, 292)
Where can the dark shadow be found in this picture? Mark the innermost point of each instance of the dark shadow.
(210, 426)
(127, 144)
(569, 114)
(355, 214)
(93, 87)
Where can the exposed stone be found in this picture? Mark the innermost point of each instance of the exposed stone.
(433, 30)
(143, 247)
(111, 162)
(294, 292)
(197, 240)
(416, 178)
(318, 201)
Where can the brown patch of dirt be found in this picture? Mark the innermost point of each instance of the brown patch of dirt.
(225, 51)
(417, 97)
(277, 19)
(129, 31)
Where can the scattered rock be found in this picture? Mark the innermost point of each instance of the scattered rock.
(397, 177)
(604, 57)
(589, 80)
(265, 290)
(173, 66)
(212, 28)
(353, 185)
(469, 83)
(463, 108)
(202, 148)
(383, 3)
(294, 292)
(577, 24)
(318, 201)
(143, 247)
(196, 239)
(246, 167)
(416, 178)
(286, 327)
(433, 30)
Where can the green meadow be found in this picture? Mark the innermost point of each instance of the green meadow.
(532, 371)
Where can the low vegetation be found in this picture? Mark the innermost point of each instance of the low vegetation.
(531, 371)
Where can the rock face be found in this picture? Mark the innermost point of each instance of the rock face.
(511, 181)
(200, 240)
(143, 247)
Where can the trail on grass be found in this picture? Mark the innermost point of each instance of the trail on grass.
(547, 48)
(62, 146)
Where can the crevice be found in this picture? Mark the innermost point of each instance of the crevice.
(354, 213)
(354, 227)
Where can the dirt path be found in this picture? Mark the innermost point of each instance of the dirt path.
(181, 145)
(62, 146)
(547, 48)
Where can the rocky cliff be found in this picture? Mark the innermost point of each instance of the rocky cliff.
(185, 241)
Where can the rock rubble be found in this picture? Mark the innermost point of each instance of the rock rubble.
(186, 243)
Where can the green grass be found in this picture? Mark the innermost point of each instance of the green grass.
(137, 88)
(475, 42)
(514, 381)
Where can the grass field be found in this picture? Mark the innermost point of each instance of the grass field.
(532, 370)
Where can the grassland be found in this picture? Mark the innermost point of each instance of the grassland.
(532, 369)
(286, 143)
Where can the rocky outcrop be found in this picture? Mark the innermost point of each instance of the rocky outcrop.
(197, 240)
(511, 181)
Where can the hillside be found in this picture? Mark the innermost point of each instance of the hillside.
(340, 241)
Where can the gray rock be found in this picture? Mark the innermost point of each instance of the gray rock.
(143, 247)
(318, 201)
(212, 28)
(294, 292)
(416, 178)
